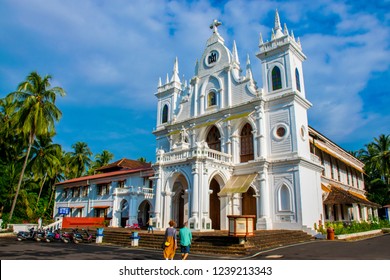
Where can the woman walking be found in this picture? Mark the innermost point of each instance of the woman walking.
(170, 241)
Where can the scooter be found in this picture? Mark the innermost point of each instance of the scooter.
(85, 236)
(56, 236)
(32, 234)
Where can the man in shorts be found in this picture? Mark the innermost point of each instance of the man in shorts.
(185, 236)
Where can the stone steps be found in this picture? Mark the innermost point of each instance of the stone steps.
(216, 242)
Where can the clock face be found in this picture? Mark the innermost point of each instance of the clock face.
(212, 58)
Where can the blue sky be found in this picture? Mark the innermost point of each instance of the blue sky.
(109, 55)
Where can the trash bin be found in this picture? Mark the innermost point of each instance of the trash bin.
(134, 238)
(99, 235)
(330, 234)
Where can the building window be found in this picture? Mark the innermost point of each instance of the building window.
(276, 78)
(338, 170)
(101, 213)
(284, 199)
(165, 114)
(103, 189)
(246, 136)
(298, 82)
(213, 139)
(85, 191)
(77, 212)
(65, 193)
(121, 184)
(76, 192)
(211, 99)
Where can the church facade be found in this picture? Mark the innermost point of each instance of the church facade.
(227, 147)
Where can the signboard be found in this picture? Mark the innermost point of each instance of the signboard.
(63, 210)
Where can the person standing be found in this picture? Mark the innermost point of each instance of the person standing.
(170, 241)
(150, 224)
(39, 223)
(185, 236)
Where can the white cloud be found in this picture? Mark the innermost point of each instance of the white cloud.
(113, 52)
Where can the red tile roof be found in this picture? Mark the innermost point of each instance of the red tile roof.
(124, 163)
(120, 167)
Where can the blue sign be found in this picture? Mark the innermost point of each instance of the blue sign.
(63, 210)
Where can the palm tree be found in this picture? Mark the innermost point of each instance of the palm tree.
(80, 159)
(8, 139)
(142, 159)
(45, 157)
(381, 146)
(101, 160)
(36, 113)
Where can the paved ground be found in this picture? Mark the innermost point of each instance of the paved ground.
(377, 248)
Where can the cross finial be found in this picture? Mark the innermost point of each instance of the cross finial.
(214, 25)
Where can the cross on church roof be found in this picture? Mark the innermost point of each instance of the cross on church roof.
(214, 25)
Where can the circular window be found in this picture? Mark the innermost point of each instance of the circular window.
(280, 131)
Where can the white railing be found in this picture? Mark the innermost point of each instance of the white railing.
(203, 152)
(54, 226)
(176, 156)
(147, 192)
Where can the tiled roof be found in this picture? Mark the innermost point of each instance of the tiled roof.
(84, 179)
(338, 195)
(124, 163)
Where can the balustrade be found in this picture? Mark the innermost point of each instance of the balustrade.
(206, 153)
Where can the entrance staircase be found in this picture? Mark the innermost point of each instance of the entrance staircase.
(216, 242)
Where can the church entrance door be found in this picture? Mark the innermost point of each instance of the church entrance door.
(215, 205)
(180, 206)
(249, 204)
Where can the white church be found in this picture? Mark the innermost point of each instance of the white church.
(227, 147)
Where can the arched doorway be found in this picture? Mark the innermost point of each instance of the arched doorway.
(143, 213)
(215, 205)
(249, 204)
(124, 213)
(180, 203)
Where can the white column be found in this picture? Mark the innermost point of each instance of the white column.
(356, 212)
(158, 199)
(264, 220)
(193, 222)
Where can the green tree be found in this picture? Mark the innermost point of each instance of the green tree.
(80, 159)
(101, 160)
(45, 158)
(36, 114)
(142, 159)
(375, 156)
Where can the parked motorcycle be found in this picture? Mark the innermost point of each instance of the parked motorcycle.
(84, 236)
(56, 236)
(32, 234)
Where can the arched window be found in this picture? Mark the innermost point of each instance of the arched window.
(284, 199)
(297, 79)
(246, 137)
(276, 78)
(165, 114)
(211, 99)
(213, 139)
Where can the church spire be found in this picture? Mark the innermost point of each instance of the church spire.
(175, 74)
(235, 53)
(277, 21)
(277, 26)
(249, 74)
